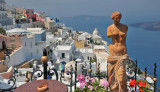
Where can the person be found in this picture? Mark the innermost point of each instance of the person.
(49, 73)
(118, 55)
(63, 68)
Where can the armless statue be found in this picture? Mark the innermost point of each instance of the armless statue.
(118, 55)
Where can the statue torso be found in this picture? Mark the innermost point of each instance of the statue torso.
(118, 35)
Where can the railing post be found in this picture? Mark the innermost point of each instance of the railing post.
(145, 73)
(60, 77)
(75, 75)
(99, 71)
(71, 82)
(155, 77)
(136, 74)
(107, 71)
(82, 69)
(44, 59)
(90, 70)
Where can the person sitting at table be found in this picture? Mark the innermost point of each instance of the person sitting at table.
(49, 73)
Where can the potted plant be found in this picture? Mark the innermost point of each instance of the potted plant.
(23, 74)
(17, 75)
(88, 84)
(142, 84)
(20, 73)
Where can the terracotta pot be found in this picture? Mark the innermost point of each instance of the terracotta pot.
(42, 88)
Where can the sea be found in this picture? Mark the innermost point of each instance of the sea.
(143, 45)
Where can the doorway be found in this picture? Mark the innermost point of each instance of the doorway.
(3, 45)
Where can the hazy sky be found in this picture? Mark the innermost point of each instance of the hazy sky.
(138, 8)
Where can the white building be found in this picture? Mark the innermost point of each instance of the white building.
(87, 54)
(50, 25)
(60, 25)
(5, 19)
(96, 38)
(66, 32)
(28, 47)
(102, 59)
(99, 48)
(39, 33)
(3, 13)
(65, 51)
(30, 50)
(83, 36)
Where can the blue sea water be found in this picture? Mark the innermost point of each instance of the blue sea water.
(143, 45)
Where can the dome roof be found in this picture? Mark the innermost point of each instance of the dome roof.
(95, 32)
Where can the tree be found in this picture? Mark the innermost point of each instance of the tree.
(2, 31)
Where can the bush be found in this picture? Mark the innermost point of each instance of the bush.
(2, 31)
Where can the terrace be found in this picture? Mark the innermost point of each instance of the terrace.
(69, 81)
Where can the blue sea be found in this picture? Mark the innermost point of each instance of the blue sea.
(143, 45)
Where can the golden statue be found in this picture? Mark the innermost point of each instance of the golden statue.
(118, 55)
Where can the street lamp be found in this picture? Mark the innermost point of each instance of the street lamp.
(44, 59)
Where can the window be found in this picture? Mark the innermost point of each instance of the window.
(88, 57)
(63, 55)
(12, 40)
(12, 45)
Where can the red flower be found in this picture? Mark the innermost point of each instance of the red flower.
(133, 83)
(141, 90)
(134, 91)
(143, 84)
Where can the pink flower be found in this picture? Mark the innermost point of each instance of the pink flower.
(104, 83)
(82, 85)
(87, 78)
(93, 80)
(90, 87)
(81, 78)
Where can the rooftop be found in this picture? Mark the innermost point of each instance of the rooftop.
(99, 47)
(86, 50)
(17, 30)
(61, 47)
(101, 55)
(35, 30)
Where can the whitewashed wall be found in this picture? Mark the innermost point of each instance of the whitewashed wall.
(16, 58)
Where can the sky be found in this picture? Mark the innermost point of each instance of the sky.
(140, 9)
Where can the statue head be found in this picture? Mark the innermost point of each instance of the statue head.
(116, 16)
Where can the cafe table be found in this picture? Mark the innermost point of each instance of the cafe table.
(53, 86)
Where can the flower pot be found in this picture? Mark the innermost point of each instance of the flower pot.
(42, 88)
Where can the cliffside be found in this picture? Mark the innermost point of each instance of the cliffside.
(148, 25)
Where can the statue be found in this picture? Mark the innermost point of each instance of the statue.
(118, 55)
